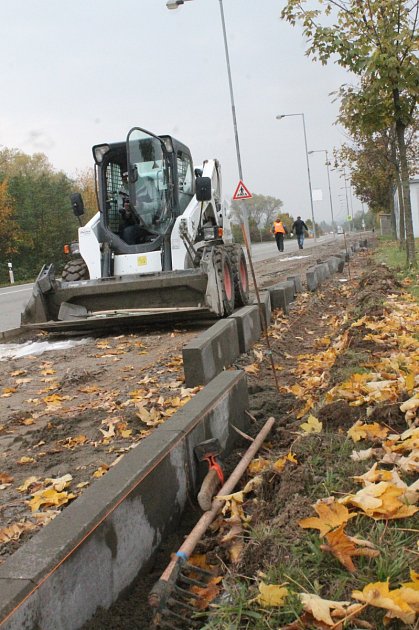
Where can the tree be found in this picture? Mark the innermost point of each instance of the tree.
(373, 157)
(376, 40)
(85, 185)
(11, 236)
(261, 212)
(41, 200)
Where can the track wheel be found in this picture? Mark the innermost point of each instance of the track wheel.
(240, 275)
(225, 276)
(75, 269)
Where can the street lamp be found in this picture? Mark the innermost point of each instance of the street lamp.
(328, 181)
(279, 117)
(174, 4)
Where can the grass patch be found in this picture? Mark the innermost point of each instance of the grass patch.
(391, 254)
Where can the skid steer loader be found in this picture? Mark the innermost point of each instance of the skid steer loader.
(159, 248)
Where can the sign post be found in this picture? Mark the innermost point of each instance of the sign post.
(11, 276)
(241, 193)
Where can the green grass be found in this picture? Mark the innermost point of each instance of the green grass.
(390, 253)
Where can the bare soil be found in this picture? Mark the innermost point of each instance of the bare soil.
(285, 498)
(76, 411)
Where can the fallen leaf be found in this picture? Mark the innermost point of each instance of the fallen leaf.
(381, 501)
(271, 595)
(343, 547)
(252, 369)
(206, 594)
(360, 456)
(312, 425)
(321, 608)
(49, 497)
(15, 531)
(102, 470)
(59, 483)
(257, 465)
(378, 594)
(362, 431)
(27, 484)
(5, 478)
(279, 465)
(331, 515)
(25, 460)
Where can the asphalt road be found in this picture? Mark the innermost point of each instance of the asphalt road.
(264, 251)
(13, 299)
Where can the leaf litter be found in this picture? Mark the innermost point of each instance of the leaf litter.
(66, 418)
(342, 429)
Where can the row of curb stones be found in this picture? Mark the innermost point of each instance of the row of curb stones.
(220, 345)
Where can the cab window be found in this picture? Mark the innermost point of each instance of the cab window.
(185, 179)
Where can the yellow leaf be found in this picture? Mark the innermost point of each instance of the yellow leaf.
(252, 369)
(102, 470)
(279, 465)
(15, 531)
(28, 421)
(309, 405)
(27, 484)
(360, 431)
(381, 501)
(89, 389)
(8, 391)
(378, 594)
(312, 425)
(331, 515)
(257, 465)
(409, 380)
(271, 595)
(321, 608)
(25, 460)
(77, 440)
(48, 497)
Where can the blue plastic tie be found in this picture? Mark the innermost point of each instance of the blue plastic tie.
(182, 555)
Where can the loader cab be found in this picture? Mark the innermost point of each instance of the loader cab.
(149, 176)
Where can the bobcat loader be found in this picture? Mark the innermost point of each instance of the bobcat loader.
(159, 248)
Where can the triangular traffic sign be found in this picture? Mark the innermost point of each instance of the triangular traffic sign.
(241, 192)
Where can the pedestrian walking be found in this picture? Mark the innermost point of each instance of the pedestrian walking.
(298, 227)
(279, 230)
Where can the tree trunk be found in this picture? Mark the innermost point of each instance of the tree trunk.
(392, 213)
(402, 228)
(404, 173)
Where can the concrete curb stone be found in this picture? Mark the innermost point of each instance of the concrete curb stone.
(248, 326)
(93, 550)
(210, 352)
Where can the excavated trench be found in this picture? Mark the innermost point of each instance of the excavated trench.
(131, 610)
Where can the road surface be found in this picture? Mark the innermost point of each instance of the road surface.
(14, 298)
(12, 301)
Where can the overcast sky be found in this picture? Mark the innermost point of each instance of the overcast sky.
(80, 72)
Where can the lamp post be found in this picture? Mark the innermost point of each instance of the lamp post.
(328, 181)
(279, 117)
(174, 4)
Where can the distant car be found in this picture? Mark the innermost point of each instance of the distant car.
(340, 229)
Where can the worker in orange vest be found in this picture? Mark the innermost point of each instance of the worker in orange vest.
(279, 230)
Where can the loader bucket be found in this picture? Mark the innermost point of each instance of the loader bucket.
(85, 305)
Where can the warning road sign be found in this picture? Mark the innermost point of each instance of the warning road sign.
(241, 192)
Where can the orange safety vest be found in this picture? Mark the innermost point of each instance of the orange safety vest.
(279, 227)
